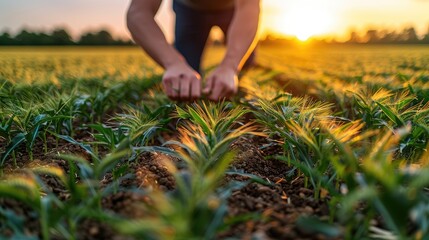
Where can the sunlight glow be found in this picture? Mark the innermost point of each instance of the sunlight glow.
(305, 19)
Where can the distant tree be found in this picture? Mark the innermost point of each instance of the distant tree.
(411, 35)
(6, 39)
(43, 39)
(426, 37)
(105, 37)
(87, 39)
(408, 35)
(388, 36)
(61, 37)
(372, 36)
(354, 37)
(102, 37)
(121, 42)
(26, 38)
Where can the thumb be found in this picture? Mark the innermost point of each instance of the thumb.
(209, 84)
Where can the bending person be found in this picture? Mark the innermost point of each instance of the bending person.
(239, 19)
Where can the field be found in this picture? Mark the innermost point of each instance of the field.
(325, 142)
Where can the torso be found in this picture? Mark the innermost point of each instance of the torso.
(208, 4)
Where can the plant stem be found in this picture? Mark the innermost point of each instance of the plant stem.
(45, 143)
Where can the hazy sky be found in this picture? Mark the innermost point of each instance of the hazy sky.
(305, 17)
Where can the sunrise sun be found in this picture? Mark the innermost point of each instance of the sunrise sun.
(305, 20)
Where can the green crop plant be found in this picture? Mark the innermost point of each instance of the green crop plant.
(16, 224)
(195, 209)
(25, 190)
(93, 105)
(30, 117)
(58, 217)
(311, 149)
(26, 132)
(275, 113)
(28, 128)
(108, 136)
(6, 123)
(377, 185)
(141, 123)
(385, 108)
(220, 125)
(297, 121)
(320, 146)
(105, 99)
(61, 105)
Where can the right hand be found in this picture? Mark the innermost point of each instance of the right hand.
(181, 82)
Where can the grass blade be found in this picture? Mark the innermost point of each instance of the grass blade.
(16, 141)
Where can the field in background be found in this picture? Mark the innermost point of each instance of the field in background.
(321, 142)
(300, 62)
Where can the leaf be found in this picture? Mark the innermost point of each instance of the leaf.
(6, 126)
(314, 225)
(21, 189)
(125, 144)
(199, 120)
(109, 162)
(252, 177)
(85, 168)
(52, 171)
(391, 115)
(142, 227)
(86, 147)
(16, 141)
(16, 223)
(350, 201)
(181, 113)
(163, 150)
(33, 134)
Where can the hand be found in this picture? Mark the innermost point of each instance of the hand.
(181, 82)
(221, 83)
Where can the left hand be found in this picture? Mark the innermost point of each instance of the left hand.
(221, 83)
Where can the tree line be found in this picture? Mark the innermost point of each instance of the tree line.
(60, 37)
(407, 35)
(384, 36)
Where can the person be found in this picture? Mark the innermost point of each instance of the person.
(239, 19)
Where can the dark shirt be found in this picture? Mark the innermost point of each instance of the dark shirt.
(208, 4)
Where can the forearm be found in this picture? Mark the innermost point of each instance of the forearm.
(146, 33)
(242, 34)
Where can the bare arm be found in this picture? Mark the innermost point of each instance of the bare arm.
(180, 81)
(242, 33)
(147, 34)
(223, 82)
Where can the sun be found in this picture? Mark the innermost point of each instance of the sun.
(304, 20)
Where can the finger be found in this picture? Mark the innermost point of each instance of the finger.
(175, 88)
(232, 90)
(235, 91)
(195, 89)
(166, 82)
(216, 94)
(184, 87)
(209, 85)
(227, 93)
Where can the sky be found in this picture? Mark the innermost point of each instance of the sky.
(302, 18)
